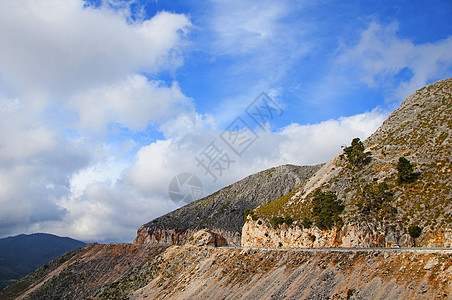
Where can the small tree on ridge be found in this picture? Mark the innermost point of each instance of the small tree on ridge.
(355, 153)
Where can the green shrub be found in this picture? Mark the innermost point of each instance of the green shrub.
(277, 221)
(415, 232)
(326, 209)
(288, 220)
(405, 171)
(247, 212)
(312, 237)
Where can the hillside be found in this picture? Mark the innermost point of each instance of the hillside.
(82, 272)
(378, 209)
(193, 272)
(223, 211)
(19, 255)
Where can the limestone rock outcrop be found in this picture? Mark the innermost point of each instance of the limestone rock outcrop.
(351, 235)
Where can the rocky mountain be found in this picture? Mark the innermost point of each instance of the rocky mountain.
(223, 211)
(19, 255)
(204, 272)
(362, 199)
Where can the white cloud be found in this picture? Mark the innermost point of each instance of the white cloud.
(65, 66)
(317, 143)
(35, 166)
(244, 27)
(108, 213)
(380, 54)
(57, 46)
(134, 102)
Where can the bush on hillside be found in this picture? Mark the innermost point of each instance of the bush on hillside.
(405, 171)
(326, 209)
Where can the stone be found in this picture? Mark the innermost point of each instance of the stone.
(432, 262)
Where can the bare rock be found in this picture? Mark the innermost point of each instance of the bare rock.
(432, 262)
(206, 237)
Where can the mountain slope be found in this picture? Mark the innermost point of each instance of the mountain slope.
(190, 272)
(378, 208)
(223, 210)
(19, 255)
(81, 273)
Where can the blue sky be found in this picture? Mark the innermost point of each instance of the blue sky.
(103, 103)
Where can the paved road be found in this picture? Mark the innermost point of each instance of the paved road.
(402, 249)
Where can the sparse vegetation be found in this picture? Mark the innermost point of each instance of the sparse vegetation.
(306, 223)
(312, 237)
(250, 212)
(375, 199)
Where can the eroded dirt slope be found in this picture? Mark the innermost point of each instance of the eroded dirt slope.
(219, 273)
(204, 272)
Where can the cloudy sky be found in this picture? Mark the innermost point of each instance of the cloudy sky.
(103, 103)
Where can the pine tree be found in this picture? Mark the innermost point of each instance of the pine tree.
(355, 153)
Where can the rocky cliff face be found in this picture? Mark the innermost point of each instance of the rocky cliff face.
(354, 235)
(204, 272)
(223, 210)
(420, 131)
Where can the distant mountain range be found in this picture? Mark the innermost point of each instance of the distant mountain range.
(22, 254)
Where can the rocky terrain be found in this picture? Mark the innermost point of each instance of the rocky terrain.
(223, 210)
(378, 209)
(205, 272)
